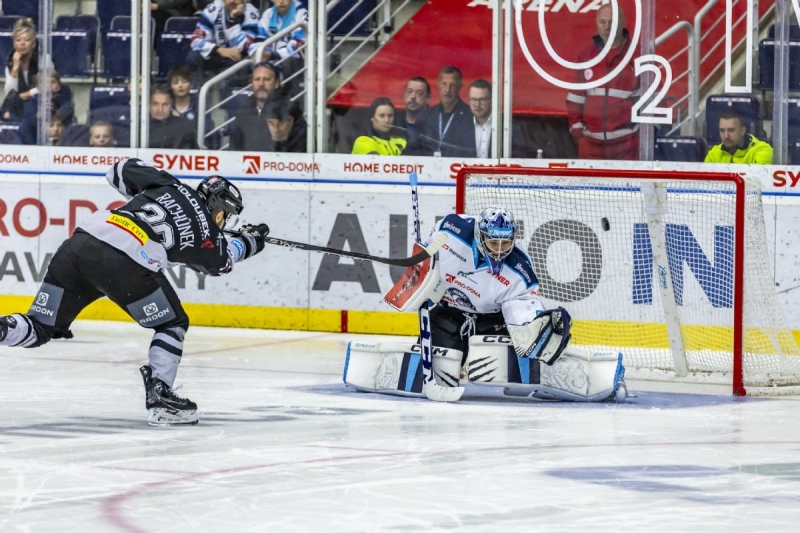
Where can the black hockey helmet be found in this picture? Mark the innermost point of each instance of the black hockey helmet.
(222, 195)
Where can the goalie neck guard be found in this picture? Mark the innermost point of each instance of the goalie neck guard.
(222, 195)
(497, 225)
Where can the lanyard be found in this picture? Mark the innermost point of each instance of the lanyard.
(447, 127)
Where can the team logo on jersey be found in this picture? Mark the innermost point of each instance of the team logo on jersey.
(207, 244)
(42, 298)
(252, 164)
(150, 309)
(457, 298)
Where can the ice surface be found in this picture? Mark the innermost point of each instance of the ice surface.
(283, 445)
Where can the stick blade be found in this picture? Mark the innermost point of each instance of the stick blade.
(437, 393)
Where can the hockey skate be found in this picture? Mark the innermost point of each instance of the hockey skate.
(3, 327)
(165, 408)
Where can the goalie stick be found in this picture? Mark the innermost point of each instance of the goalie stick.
(404, 262)
(433, 391)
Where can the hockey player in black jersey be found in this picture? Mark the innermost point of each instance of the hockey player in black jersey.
(121, 254)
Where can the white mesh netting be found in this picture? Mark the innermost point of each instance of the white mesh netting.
(592, 251)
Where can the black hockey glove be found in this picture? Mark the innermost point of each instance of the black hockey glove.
(253, 238)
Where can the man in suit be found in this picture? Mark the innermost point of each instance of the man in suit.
(446, 129)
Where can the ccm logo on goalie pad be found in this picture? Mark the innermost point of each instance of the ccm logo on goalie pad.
(500, 339)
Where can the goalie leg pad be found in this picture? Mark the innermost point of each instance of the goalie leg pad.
(576, 376)
(396, 368)
(545, 338)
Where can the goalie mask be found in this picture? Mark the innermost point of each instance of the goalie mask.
(495, 231)
(222, 195)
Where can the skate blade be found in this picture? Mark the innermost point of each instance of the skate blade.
(171, 417)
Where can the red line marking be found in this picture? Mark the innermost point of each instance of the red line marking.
(113, 506)
(344, 321)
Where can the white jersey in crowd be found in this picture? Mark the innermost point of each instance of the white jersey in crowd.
(472, 288)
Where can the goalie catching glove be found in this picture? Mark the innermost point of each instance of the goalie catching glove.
(545, 337)
(253, 238)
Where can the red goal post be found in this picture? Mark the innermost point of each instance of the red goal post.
(671, 268)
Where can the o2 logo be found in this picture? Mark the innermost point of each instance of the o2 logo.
(647, 110)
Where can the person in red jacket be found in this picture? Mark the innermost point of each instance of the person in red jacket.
(600, 118)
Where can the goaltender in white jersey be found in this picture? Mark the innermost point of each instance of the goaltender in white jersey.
(488, 323)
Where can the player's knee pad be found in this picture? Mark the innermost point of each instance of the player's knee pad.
(156, 311)
(575, 376)
(395, 368)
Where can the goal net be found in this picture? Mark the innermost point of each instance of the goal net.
(669, 268)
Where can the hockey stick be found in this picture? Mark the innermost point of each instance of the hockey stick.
(432, 389)
(404, 262)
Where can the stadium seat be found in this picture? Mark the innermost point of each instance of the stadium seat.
(7, 22)
(681, 149)
(22, 9)
(342, 25)
(108, 96)
(72, 53)
(6, 45)
(766, 65)
(184, 25)
(117, 54)
(108, 9)
(794, 32)
(746, 105)
(9, 133)
(794, 120)
(89, 23)
(123, 23)
(172, 47)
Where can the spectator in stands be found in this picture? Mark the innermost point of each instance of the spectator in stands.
(480, 103)
(288, 51)
(225, 30)
(446, 129)
(415, 98)
(57, 128)
(287, 127)
(251, 120)
(61, 103)
(600, 118)
(184, 104)
(737, 145)
(380, 141)
(101, 134)
(167, 130)
(22, 65)
(161, 10)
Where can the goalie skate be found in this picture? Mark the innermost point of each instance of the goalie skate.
(164, 407)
